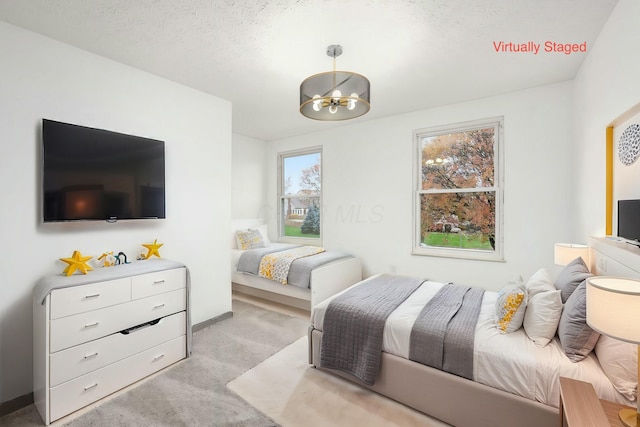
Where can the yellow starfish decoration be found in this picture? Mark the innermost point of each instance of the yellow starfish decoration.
(152, 249)
(76, 262)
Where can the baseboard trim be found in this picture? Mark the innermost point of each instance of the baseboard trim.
(13, 405)
(199, 326)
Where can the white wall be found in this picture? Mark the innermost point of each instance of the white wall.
(607, 85)
(368, 186)
(248, 184)
(42, 78)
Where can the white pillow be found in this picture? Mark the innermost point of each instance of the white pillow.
(619, 360)
(539, 282)
(542, 316)
(264, 230)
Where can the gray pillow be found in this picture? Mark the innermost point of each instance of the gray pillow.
(570, 277)
(576, 337)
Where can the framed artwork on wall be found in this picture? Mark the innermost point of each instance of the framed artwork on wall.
(622, 163)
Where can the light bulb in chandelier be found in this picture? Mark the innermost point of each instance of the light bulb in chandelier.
(335, 97)
(317, 103)
(351, 104)
(333, 109)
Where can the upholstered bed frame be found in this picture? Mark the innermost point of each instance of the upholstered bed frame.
(461, 402)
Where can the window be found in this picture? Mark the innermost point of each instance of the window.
(300, 176)
(458, 197)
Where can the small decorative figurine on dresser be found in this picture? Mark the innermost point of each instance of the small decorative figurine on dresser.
(76, 262)
(152, 249)
(107, 258)
(121, 258)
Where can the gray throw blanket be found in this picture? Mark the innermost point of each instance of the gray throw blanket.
(300, 270)
(354, 324)
(443, 334)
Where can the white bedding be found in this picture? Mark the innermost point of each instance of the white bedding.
(510, 362)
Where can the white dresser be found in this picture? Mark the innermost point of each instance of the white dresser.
(92, 338)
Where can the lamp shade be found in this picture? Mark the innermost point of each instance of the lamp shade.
(564, 253)
(334, 95)
(613, 307)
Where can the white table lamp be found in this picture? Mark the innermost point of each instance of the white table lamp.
(613, 309)
(564, 253)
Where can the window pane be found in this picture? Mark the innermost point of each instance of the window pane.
(301, 183)
(301, 216)
(458, 160)
(301, 175)
(458, 220)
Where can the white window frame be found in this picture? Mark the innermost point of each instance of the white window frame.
(498, 188)
(314, 241)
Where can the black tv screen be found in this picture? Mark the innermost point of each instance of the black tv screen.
(95, 174)
(629, 219)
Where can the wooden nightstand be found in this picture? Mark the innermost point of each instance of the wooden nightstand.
(580, 407)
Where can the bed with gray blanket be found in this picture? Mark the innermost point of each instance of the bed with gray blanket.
(442, 335)
(435, 347)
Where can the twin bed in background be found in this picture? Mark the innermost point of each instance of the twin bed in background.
(519, 349)
(309, 278)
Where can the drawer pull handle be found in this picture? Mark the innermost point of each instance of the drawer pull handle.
(158, 357)
(158, 282)
(158, 306)
(91, 296)
(89, 356)
(91, 325)
(89, 387)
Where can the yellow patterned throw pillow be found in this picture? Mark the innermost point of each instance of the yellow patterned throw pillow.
(510, 308)
(251, 239)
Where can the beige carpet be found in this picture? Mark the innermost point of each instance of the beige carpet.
(287, 389)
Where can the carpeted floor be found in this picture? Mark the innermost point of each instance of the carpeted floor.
(194, 392)
(293, 393)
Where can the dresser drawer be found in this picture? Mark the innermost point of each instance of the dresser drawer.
(158, 282)
(77, 393)
(80, 299)
(82, 359)
(84, 327)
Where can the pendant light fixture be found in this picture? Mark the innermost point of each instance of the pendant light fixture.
(334, 95)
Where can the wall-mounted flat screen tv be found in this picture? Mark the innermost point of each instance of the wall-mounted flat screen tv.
(96, 174)
(629, 219)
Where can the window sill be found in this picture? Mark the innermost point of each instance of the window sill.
(470, 254)
(301, 241)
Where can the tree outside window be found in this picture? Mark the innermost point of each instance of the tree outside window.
(458, 191)
(300, 195)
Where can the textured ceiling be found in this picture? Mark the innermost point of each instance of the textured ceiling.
(416, 53)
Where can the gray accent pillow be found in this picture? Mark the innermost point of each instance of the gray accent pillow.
(570, 277)
(576, 337)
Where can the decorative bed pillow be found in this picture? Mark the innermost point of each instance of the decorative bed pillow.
(540, 281)
(571, 276)
(542, 316)
(264, 231)
(251, 239)
(510, 308)
(576, 337)
(619, 361)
